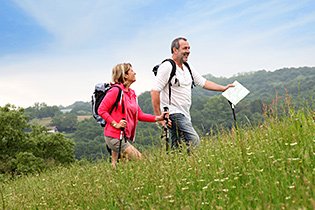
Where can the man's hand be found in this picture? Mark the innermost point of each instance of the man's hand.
(163, 118)
(227, 87)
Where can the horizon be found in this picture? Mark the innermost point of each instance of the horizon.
(238, 74)
(55, 52)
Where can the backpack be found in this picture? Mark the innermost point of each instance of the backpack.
(99, 93)
(173, 73)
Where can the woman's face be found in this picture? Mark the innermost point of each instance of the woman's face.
(130, 76)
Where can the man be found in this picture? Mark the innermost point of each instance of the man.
(180, 101)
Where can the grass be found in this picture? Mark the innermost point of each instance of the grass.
(267, 167)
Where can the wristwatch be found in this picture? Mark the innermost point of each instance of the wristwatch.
(114, 125)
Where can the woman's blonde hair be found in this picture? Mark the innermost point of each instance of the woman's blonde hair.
(119, 71)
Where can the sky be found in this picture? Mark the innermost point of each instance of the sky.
(55, 51)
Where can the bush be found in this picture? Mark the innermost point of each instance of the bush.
(26, 162)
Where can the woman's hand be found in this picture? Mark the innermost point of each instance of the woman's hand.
(121, 124)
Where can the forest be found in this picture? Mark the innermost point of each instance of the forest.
(29, 144)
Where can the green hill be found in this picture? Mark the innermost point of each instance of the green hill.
(265, 167)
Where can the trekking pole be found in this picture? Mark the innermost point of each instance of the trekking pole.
(122, 130)
(167, 138)
(233, 110)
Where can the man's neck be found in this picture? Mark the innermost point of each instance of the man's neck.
(178, 62)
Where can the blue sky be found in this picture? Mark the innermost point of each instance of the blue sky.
(55, 51)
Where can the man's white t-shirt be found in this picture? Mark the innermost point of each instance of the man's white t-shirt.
(180, 91)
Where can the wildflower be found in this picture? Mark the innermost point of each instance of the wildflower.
(226, 178)
(293, 159)
(168, 196)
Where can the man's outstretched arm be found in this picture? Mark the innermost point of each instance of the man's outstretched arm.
(216, 87)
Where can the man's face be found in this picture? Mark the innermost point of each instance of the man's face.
(183, 51)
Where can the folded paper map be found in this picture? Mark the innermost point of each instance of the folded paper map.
(235, 94)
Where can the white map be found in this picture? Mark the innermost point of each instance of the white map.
(235, 94)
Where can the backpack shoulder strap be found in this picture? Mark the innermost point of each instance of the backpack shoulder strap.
(192, 78)
(172, 74)
(119, 97)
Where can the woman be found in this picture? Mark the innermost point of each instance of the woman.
(125, 116)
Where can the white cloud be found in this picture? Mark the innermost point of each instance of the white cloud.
(90, 37)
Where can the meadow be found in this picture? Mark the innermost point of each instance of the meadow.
(271, 166)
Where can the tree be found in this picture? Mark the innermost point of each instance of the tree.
(41, 110)
(25, 148)
(89, 140)
(12, 136)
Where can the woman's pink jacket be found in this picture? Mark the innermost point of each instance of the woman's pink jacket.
(132, 112)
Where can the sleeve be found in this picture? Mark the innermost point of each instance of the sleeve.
(107, 103)
(145, 117)
(162, 76)
(198, 78)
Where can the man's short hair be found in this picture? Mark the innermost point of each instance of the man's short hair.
(175, 43)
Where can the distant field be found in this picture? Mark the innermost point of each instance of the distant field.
(83, 117)
(46, 121)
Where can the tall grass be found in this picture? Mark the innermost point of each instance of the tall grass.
(265, 167)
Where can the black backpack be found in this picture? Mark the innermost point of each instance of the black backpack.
(99, 93)
(173, 73)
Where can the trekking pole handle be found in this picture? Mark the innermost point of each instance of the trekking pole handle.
(122, 130)
(165, 109)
